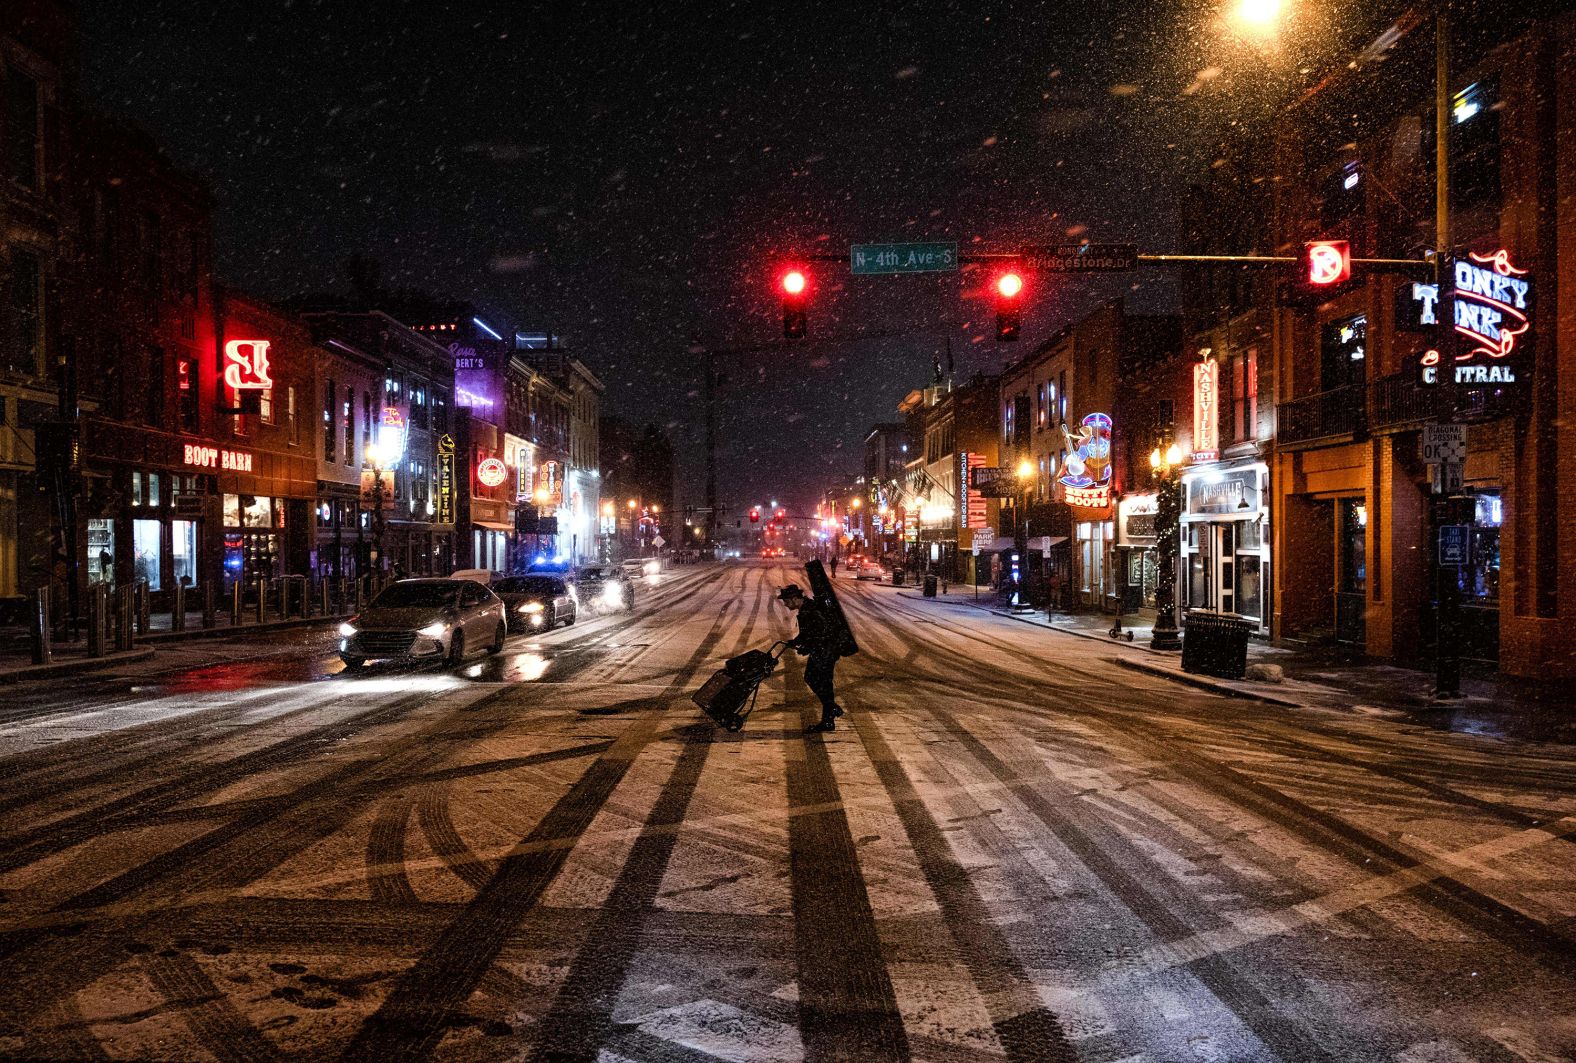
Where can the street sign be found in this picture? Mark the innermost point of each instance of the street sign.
(659, 542)
(1454, 544)
(1080, 258)
(1444, 444)
(993, 481)
(1446, 478)
(868, 260)
(189, 507)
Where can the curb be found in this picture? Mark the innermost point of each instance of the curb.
(75, 666)
(1215, 686)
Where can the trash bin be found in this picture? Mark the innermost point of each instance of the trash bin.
(1215, 645)
(930, 586)
(897, 577)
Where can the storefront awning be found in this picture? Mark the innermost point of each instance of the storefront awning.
(494, 525)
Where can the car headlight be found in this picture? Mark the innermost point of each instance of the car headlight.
(433, 630)
(653, 567)
(612, 594)
(347, 629)
(574, 595)
(531, 607)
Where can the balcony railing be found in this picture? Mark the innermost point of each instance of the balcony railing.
(1398, 402)
(1339, 413)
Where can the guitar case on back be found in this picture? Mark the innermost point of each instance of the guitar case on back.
(821, 589)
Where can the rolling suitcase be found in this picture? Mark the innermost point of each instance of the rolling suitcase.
(724, 695)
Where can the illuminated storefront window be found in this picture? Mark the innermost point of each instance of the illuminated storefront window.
(183, 547)
(145, 551)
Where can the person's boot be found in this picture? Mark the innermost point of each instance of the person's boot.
(822, 727)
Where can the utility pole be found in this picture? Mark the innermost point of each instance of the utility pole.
(1447, 578)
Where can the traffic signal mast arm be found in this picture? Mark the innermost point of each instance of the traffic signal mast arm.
(1423, 267)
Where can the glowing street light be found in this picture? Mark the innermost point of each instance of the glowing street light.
(1025, 469)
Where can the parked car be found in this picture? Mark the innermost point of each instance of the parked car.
(537, 602)
(424, 619)
(606, 588)
(635, 567)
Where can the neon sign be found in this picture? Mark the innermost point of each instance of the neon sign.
(198, 456)
(549, 485)
(1086, 476)
(445, 479)
(1492, 301)
(491, 472)
(1206, 410)
(246, 365)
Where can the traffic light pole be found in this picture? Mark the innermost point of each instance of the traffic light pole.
(1447, 578)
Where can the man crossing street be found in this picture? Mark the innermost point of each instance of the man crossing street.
(818, 639)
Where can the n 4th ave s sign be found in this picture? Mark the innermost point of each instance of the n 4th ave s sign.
(873, 259)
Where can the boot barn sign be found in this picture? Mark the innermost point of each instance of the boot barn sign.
(1492, 317)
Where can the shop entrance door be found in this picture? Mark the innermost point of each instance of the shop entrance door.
(1212, 567)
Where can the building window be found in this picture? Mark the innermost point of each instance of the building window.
(24, 342)
(292, 427)
(183, 543)
(152, 263)
(329, 436)
(1245, 395)
(155, 387)
(145, 545)
(366, 424)
(1344, 352)
(1474, 145)
(265, 405)
(348, 412)
(1165, 413)
(1343, 195)
(186, 394)
(21, 128)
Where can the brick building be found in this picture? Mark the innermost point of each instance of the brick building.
(1351, 495)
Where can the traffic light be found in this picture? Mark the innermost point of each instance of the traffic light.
(755, 514)
(794, 285)
(780, 516)
(1009, 287)
(1326, 263)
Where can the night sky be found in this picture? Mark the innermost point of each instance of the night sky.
(624, 173)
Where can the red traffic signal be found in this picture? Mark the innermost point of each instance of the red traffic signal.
(794, 285)
(1009, 286)
(755, 515)
(1327, 262)
(781, 515)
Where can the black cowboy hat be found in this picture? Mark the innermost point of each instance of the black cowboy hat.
(790, 591)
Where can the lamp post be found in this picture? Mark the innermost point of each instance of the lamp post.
(1168, 511)
(375, 458)
(1020, 536)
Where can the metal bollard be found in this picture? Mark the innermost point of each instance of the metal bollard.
(178, 609)
(144, 607)
(98, 619)
(359, 585)
(262, 599)
(322, 589)
(210, 612)
(43, 652)
(236, 593)
(125, 603)
(284, 598)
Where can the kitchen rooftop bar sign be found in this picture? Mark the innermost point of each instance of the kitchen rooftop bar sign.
(1492, 317)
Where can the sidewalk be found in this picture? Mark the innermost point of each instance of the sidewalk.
(1318, 677)
(71, 658)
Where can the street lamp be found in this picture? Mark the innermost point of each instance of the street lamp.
(1168, 511)
(1020, 536)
